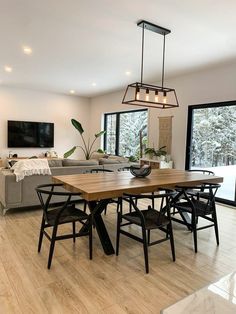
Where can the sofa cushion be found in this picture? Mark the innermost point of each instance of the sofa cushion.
(55, 163)
(74, 162)
(119, 158)
(105, 161)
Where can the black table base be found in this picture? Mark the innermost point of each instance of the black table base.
(96, 209)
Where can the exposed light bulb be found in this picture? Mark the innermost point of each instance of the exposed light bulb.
(147, 94)
(8, 69)
(27, 50)
(156, 96)
(137, 93)
(164, 97)
(72, 91)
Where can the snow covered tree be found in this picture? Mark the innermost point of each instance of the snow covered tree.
(214, 136)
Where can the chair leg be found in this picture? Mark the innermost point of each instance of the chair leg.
(91, 239)
(85, 206)
(41, 234)
(105, 210)
(149, 236)
(145, 250)
(73, 227)
(119, 201)
(118, 233)
(130, 207)
(162, 203)
(194, 229)
(172, 244)
(174, 211)
(214, 217)
(153, 201)
(54, 233)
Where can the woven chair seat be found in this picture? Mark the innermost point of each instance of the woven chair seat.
(201, 208)
(71, 213)
(153, 218)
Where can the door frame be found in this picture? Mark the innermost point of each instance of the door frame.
(189, 138)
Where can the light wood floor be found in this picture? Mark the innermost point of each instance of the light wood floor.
(107, 284)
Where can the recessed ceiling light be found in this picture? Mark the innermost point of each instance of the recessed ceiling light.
(27, 50)
(127, 72)
(8, 69)
(72, 91)
(94, 84)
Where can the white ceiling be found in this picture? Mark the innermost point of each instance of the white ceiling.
(78, 42)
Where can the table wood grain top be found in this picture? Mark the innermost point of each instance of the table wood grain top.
(96, 186)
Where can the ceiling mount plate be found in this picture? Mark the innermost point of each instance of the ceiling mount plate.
(153, 27)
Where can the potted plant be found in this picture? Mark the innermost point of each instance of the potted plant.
(150, 151)
(132, 158)
(160, 153)
(87, 147)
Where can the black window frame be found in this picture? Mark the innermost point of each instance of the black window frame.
(189, 137)
(117, 113)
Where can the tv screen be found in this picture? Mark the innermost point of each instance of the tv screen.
(30, 134)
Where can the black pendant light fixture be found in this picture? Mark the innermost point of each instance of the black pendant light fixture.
(146, 95)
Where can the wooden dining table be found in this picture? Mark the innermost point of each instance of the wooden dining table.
(98, 188)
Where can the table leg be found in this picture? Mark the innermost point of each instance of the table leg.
(96, 208)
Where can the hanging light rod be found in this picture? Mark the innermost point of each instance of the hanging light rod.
(147, 95)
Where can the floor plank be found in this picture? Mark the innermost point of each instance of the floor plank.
(107, 284)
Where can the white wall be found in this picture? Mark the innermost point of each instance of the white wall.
(211, 85)
(206, 86)
(28, 105)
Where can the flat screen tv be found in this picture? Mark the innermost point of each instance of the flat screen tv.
(30, 134)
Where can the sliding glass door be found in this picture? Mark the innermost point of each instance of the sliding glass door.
(211, 144)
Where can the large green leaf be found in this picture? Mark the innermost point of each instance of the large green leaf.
(70, 152)
(77, 125)
(99, 134)
(149, 150)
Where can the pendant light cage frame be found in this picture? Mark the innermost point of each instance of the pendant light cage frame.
(147, 95)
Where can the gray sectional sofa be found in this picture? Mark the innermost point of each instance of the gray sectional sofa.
(22, 194)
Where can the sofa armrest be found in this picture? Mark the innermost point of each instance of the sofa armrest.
(10, 190)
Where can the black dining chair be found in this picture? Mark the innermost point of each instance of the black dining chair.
(191, 191)
(62, 212)
(100, 170)
(203, 171)
(111, 201)
(126, 168)
(135, 199)
(200, 204)
(148, 219)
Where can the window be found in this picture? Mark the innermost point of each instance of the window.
(211, 144)
(123, 129)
